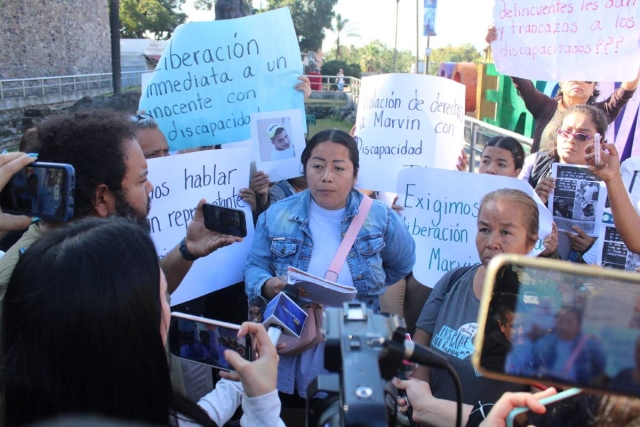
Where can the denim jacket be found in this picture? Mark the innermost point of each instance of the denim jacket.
(382, 253)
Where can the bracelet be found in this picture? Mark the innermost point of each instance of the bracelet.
(185, 252)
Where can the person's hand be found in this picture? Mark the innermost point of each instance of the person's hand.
(249, 196)
(272, 287)
(580, 242)
(510, 401)
(260, 184)
(463, 161)
(492, 34)
(551, 241)
(545, 187)
(10, 164)
(420, 397)
(304, 86)
(352, 132)
(396, 207)
(200, 241)
(260, 376)
(609, 167)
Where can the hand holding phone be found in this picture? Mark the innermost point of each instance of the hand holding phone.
(259, 376)
(597, 149)
(224, 220)
(43, 190)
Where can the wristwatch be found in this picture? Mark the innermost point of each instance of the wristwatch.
(185, 252)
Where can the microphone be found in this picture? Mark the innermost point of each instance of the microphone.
(283, 315)
(424, 355)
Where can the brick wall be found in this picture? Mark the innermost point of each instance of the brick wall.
(54, 37)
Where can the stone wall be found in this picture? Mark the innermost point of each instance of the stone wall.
(40, 38)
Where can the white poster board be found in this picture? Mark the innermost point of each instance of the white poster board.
(179, 183)
(555, 41)
(270, 133)
(441, 213)
(407, 120)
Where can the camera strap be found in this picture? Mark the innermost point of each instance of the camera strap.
(349, 239)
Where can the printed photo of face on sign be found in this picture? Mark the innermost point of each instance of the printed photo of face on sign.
(275, 139)
(278, 141)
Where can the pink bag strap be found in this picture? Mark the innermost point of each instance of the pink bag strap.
(349, 238)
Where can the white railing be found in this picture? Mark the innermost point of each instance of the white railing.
(42, 86)
(330, 84)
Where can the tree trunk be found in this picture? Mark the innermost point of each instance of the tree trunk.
(114, 25)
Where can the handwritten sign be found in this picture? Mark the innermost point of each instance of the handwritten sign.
(179, 183)
(214, 75)
(407, 120)
(278, 142)
(567, 40)
(441, 213)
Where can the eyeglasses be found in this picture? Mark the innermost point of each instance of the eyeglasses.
(580, 137)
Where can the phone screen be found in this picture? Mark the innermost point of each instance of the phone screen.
(553, 323)
(41, 189)
(224, 220)
(205, 341)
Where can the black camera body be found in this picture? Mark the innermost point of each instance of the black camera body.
(363, 351)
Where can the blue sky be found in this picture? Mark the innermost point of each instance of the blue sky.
(457, 22)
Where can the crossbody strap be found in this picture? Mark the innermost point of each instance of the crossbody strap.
(349, 238)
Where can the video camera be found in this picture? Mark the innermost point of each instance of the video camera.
(363, 351)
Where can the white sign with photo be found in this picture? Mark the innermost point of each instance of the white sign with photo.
(278, 141)
(567, 41)
(440, 210)
(578, 199)
(180, 182)
(407, 120)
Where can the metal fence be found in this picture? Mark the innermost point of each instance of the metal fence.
(330, 84)
(42, 86)
(476, 135)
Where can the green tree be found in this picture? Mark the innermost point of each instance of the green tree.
(158, 17)
(463, 53)
(342, 26)
(310, 19)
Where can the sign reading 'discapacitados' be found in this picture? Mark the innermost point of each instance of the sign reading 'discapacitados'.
(214, 75)
(440, 210)
(407, 120)
(567, 40)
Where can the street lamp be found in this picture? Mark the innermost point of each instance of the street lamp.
(395, 46)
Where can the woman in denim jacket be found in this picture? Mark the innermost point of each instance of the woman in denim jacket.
(305, 231)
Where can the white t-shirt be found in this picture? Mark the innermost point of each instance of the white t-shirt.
(284, 154)
(325, 232)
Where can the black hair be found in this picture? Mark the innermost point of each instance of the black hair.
(29, 142)
(278, 131)
(81, 328)
(336, 136)
(510, 144)
(597, 116)
(94, 143)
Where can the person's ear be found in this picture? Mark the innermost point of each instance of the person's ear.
(517, 172)
(532, 243)
(104, 202)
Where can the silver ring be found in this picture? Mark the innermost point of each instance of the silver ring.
(406, 401)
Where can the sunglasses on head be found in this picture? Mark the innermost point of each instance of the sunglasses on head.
(140, 117)
(580, 137)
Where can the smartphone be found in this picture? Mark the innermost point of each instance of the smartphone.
(225, 220)
(43, 190)
(204, 340)
(558, 323)
(597, 148)
(546, 401)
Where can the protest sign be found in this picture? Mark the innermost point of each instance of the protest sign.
(441, 213)
(214, 75)
(179, 183)
(407, 120)
(578, 198)
(278, 143)
(556, 41)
